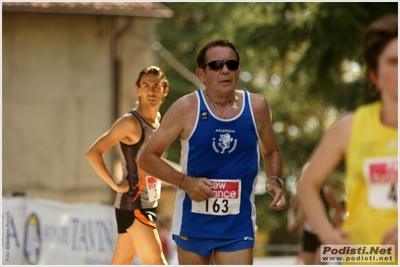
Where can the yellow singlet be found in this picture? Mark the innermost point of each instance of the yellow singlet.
(371, 178)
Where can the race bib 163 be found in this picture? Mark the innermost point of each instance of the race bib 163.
(226, 200)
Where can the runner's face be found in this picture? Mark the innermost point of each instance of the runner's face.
(387, 71)
(151, 90)
(224, 79)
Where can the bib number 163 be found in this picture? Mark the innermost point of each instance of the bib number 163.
(216, 206)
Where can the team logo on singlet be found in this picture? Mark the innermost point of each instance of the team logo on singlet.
(225, 142)
(204, 115)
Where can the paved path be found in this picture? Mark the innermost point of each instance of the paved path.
(281, 260)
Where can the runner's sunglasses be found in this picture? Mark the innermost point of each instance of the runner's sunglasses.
(219, 64)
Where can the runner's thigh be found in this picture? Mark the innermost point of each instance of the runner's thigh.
(238, 257)
(124, 252)
(186, 257)
(147, 243)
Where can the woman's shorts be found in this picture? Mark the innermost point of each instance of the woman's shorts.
(125, 218)
(205, 246)
(310, 242)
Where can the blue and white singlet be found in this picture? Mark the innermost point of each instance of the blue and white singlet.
(227, 152)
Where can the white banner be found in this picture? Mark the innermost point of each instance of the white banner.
(41, 231)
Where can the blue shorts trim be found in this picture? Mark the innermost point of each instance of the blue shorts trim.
(205, 246)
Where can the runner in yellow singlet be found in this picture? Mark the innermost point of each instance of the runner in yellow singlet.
(367, 140)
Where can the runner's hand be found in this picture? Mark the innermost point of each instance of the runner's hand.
(334, 237)
(391, 237)
(198, 189)
(122, 187)
(275, 190)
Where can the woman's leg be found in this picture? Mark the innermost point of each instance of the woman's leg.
(147, 243)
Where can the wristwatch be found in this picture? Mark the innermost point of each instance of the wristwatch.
(276, 178)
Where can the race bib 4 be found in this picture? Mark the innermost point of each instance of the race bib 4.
(381, 178)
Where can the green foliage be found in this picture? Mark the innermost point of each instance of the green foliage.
(300, 56)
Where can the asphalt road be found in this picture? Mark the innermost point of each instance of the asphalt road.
(282, 260)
